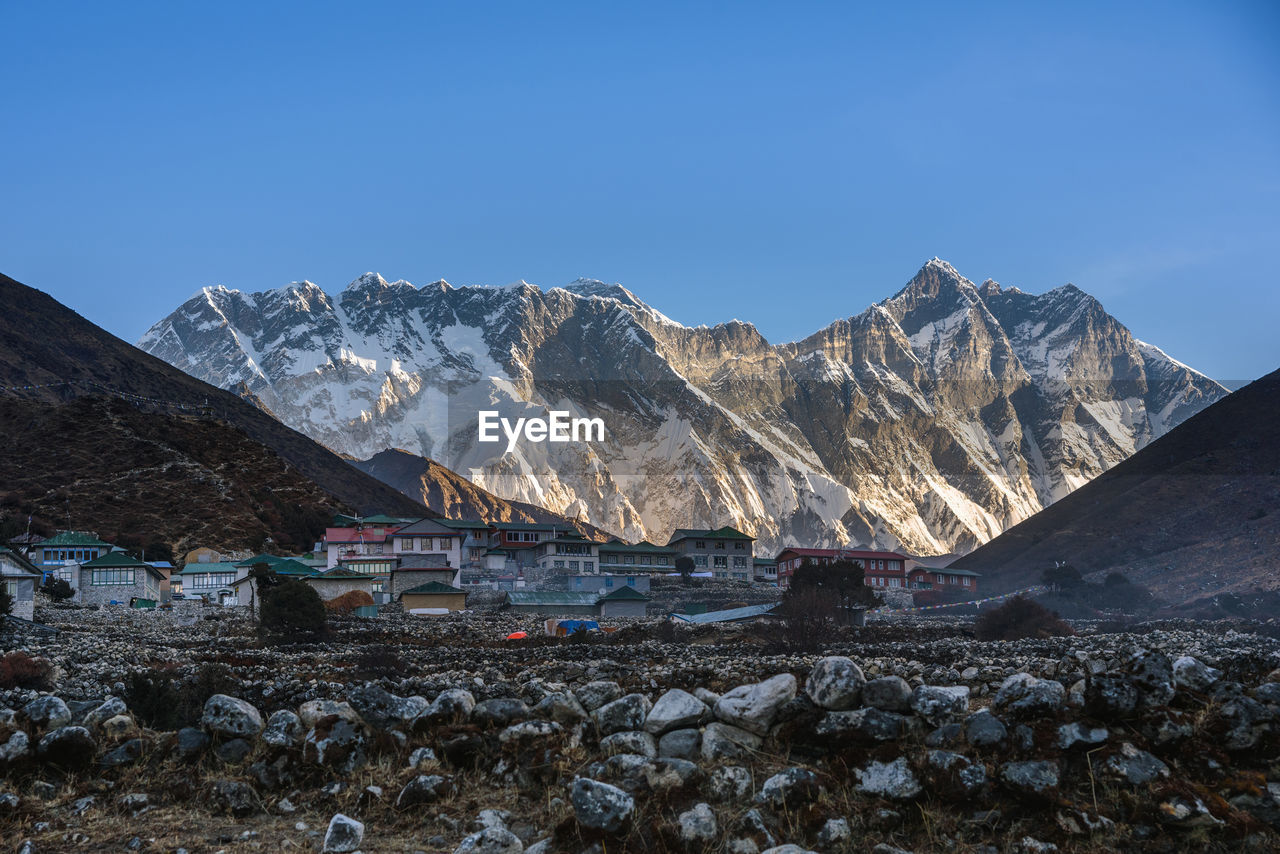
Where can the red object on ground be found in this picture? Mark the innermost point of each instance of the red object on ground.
(517, 636)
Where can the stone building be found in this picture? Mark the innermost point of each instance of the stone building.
(20, 579)
(117, 577)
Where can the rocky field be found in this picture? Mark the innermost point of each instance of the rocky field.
(161, 732)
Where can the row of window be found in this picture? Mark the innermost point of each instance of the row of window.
(426, 544)
(635, 560)
(720, 561)
(575, 566)
(212, 579)
(738, 545)
(69, 555)
(105, 577)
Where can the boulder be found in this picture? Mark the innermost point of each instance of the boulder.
(729, 783)
(1133, 766)
(984, 730)
(939, 704)
(890, 693)
(1192, 674)
(191, 743)
(1033, 779)
(888, 779)
(869, 724)
(1077, 734)
(500, 711)
(1151, 672)
(681, 743)
(835, 683)
(624, 713)
(1024, 696)
(284, 730)
(789, 788)
(561, 707)
(16, 749)
(527, 733)
(601, 806)
(47, 713)
(383, 710)
(234, 797)
(109, 708)
(452, 705)
(337, 743)
(670, 774)
(126, 754)
(423, 789)
(676, 709)
(953, 775)
(230, 717)
(722, 741)
(344, 835)
(593, 695)
(753, 707)
(69, 747)
(640, 743)
(698, 826)
(491, 840)
(1110, 696)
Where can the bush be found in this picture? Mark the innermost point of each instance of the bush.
(163, 702)
(1063, 577)
(291, 610)
(1017, 619)
(348, 602)
(58, 589)
(20, 670)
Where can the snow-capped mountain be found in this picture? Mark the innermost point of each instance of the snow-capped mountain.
(930, 422)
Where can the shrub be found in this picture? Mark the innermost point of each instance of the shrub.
(1063, 577)
(291, 610)
(348, 602)
(20, 670)
(164, 702)
(6, 601)
(58, 589)
(1017, 619)
(685, 566)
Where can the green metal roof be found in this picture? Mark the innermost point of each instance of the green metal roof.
(725, 533)
(432, 587)
(73, 538)
(429, 527)
(532, 526)
(627, 592)
(205, 568)
(293, 567)
(338, 572)
(342, 521)
(947, 571)
(262, 558)
(116, 560)
(464, 523)
(642, 547)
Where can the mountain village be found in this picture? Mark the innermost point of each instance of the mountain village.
(429, 567)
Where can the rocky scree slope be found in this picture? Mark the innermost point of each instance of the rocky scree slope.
(932, 421)
(1122, 741)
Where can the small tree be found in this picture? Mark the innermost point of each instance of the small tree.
(1017, 619)
(685, 566)
(58, 589)
(1062, 577)
(292, 610)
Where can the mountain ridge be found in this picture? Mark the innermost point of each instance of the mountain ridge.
(930, 421)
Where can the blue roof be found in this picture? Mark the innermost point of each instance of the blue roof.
(730, 615)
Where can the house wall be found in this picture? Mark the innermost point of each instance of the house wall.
(89, 594)
(452, 601)
(555, 610)
(332, 588)
(23, 589)
(595, 583)
(624, 608)
(738, 562)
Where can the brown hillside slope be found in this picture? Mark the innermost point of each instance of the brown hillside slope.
(43, 342)
(138, 477)
(1193, 514)
(448, 492)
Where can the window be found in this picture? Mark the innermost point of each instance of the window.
(646, 560)
(739, 546)
(699, 560)
(719, 545)
(559, 564)
(105, 577)
(608, 582)
(11, 587)
(631, 580)
(739, 561)
(699, 544)
(588, 566)
(211, 579)
(964, 580)
(662, 560)
(406, 544)
(721, 561)
(573, 564)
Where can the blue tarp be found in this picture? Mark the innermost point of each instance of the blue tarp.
(572, 626)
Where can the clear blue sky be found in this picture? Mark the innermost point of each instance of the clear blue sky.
(783, 163)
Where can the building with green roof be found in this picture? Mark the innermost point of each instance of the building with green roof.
(67, 548)
(434, 597)
(644, 556)
(117, 578)
(623, 602)
(726, 552)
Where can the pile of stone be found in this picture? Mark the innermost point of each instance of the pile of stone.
(763, 766)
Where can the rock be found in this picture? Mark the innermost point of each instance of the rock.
(233, 797)
(15, 750)
(752, 825)
(869, 724)
(423, 789)
(561, 707)
(722, 741)
(108, 709)
(491, 840)
(753, 707)
(1134, 766)
(889, 693)
(1243, 721)
(789, 788)
(133, 802)
(337, 743)
(67, 747)
(462, 750)
(47, 713)
(500, 712)
(593, 695)
(624, 713)
(1024, 696)
(670, 774)
(681, 743)
(601, 806)
(1110, 696)
(835, 683)
(230, 717)
(729, 783)
(284, 730)
(789, 848)
(278, 773)
(530, 732)
(344, 835)
(1077, 734)
(1187, 812)
(945, 736)
(313, 711)
(383, 710)
(1083, 823)
(886, 848)
(1151, 673)
(422, 757)
(1031, 845)
(1036, 779)
(1166, 726)
(953, 775)
(640, 743)
(835, 833)
(888, 779)
(121, 726)
(675, 709)
(939, 704)
(191, 743)
(450, 706)
(126, 754)
(984, 730)
(234, 751)
(698, 825)
(1193, 675)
